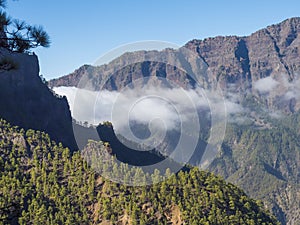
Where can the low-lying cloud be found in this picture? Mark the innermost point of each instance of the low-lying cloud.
(163, 106)
(167, 108)
(265, 85)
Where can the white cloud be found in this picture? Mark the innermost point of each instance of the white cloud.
(233, 108)
(265, 85)
(292, 89)
(162, 106)
(84, 105)
(291, 94)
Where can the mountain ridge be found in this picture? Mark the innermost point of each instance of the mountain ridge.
(221, 49)
(43, 183)
(236, 64)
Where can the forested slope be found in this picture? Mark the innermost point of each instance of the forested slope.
(43, 183)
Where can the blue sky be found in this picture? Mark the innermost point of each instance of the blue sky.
(82, 31)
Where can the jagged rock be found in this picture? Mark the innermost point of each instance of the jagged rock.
(27, 102)
(273, 51)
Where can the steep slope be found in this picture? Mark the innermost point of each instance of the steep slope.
(265, 163)
(129, 67)
(124, 150)
(27, 102)
(131, 153)
(42, 183)
(273, 51)
(236, 64)
(124, 153)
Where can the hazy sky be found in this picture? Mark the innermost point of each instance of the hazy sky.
(82, 31)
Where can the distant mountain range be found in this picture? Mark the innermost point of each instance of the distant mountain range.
(262, 70)
(270, 52)
(260, 152)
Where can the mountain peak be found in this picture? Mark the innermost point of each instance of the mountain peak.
(270, 52)
(292, 20)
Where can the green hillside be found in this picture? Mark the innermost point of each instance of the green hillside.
(43, 183)
(264, 162)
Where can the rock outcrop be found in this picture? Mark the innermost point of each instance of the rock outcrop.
(28, 102)
(273, 51)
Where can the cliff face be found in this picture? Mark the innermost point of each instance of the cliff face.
(27, 102)
(131, 67)
(264, 163)
(273, 51)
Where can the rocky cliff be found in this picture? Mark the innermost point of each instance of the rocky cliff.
(27, 102)
(264, 162)
(273, 51)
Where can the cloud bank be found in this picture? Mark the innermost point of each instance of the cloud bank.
(162, 106)
(167, 108)
(265, 85)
